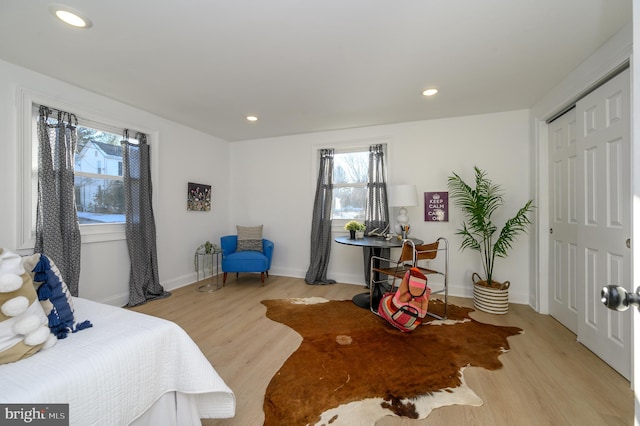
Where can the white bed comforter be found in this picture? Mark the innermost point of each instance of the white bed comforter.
(112, 373)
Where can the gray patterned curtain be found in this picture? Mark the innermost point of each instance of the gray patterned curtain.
(144, 282)
(321, 224)
(377, 208)
(57, 229)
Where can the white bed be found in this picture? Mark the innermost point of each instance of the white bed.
(129, 368)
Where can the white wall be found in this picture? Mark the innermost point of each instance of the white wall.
(179, 155)
(273, 183)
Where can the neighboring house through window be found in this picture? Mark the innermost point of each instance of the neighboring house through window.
(98, 177)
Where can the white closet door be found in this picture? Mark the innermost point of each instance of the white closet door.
(604, 218)
(563, 302)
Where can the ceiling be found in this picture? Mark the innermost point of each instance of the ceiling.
(315, 65)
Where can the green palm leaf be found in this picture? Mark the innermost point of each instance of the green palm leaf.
(478, 205)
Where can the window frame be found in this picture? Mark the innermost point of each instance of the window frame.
(27, 174)
(337, 225)
(359, 149)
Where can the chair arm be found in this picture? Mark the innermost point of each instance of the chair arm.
(392, 263)
(228, 244)
(267, 248)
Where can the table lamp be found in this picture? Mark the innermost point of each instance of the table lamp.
(403, 196)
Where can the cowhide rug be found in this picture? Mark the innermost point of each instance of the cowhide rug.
(353, 368)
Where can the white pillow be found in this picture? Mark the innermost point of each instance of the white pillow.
(23, 323)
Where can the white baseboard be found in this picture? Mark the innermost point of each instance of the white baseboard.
(456, 290)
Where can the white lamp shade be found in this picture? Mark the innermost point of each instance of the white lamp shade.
(403, 196)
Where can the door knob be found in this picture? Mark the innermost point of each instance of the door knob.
(618, 298)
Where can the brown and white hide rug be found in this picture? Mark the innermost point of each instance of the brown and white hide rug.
(353, 368)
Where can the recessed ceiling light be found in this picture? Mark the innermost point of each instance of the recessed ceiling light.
(252, 118)
(70, 16)
(430, 92)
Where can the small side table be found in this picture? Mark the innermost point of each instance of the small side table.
(200, 261)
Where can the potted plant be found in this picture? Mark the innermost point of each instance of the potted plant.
(207, 248)
(354, 226)
(480, 233)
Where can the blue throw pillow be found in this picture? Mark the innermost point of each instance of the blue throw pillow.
(56, 298)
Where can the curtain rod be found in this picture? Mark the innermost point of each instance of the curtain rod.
(111, 129)
(64, 116)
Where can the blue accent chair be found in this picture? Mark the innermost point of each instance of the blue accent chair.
(245, 261)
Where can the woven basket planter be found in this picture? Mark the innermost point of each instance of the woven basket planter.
(494, 300)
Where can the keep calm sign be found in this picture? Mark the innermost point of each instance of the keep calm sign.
(436, 206)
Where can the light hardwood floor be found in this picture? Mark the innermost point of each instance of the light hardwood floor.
(547, 379)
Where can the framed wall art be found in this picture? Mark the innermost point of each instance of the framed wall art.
(198, 197)
(436, 206)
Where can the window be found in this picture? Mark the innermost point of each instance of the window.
(350, 176)
(99, 199)
(109, 227)
(99, 185)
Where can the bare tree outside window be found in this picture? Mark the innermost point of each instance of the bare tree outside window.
(350, 174)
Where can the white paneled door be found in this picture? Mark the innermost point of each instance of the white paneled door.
(604, 218)
(590, 217)
(563, 238)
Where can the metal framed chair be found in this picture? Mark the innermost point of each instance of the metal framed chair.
(432, 258)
